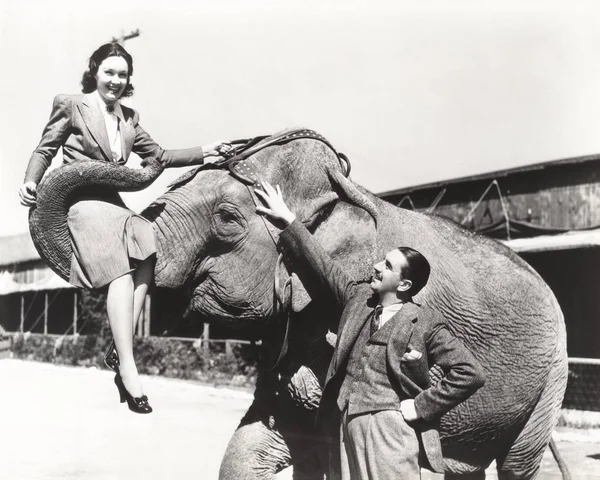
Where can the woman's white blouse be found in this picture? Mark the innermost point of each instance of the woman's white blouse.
(111, 120)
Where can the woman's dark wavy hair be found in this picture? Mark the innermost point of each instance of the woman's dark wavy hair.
(88, 82)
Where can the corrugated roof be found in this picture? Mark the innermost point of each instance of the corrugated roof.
(562, 241)
(36, 278)
(17, 249)
(492, 175)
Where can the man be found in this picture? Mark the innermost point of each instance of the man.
(379, 373)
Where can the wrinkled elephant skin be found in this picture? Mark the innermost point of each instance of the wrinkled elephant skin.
(212, 243)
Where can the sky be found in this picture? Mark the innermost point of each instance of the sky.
(412, 91)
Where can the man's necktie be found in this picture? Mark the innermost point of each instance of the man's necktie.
(375, 319)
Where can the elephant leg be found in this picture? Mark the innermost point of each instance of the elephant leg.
(254, 452)
(259, 448)
(524, 457)
(258, 452)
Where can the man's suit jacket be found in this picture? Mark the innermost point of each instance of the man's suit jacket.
(416, 328)
(77, 124)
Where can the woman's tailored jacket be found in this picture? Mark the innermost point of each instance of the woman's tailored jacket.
(77, 124)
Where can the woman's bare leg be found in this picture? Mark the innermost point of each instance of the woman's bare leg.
(142, 278)
(119, 305)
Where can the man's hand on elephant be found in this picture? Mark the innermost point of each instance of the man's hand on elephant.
(276, 208)
(27, 194)
(409, 412)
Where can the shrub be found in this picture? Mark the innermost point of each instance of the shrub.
(154, 356)
(93, 319)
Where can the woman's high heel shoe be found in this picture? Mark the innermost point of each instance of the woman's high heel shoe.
(135, 404)
(111, 358)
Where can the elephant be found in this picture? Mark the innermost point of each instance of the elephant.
(213, 244)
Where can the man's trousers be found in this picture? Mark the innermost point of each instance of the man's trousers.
(378, 446)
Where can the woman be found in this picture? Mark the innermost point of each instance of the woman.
(112, 245)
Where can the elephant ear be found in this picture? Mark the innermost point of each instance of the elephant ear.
(346, 229)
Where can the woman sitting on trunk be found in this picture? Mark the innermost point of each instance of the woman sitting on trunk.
(112, 245)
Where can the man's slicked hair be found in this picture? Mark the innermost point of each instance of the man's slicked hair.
(416, 270)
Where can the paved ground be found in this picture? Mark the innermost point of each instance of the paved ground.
(61, 423)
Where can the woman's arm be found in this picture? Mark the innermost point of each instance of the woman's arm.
(54, 136)
(145, 147)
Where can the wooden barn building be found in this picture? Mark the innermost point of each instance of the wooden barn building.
(549, 213)
(32, 297)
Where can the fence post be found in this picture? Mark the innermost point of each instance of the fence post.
(45, 313)
(22, 326)
(205, 339)
(75, 312)
(228, 349)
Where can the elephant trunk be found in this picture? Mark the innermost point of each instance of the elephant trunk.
(60, 188)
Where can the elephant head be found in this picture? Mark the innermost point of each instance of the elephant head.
(212, 242)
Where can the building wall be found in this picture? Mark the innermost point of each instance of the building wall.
(573, 277)
(569, 207)
(59, 311)
(566, 197)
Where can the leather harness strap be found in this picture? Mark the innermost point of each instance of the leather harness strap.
(237, 160)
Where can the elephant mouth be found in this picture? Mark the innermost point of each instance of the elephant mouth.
(222, 309)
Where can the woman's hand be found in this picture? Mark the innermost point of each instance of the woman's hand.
(277, 209)
(27, 193)
(213, 151)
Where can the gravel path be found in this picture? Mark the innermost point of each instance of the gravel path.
(67, 423)
(63, 423)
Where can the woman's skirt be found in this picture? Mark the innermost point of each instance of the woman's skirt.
(109, 240)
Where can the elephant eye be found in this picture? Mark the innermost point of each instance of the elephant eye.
(226, 217)
(229, 225)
